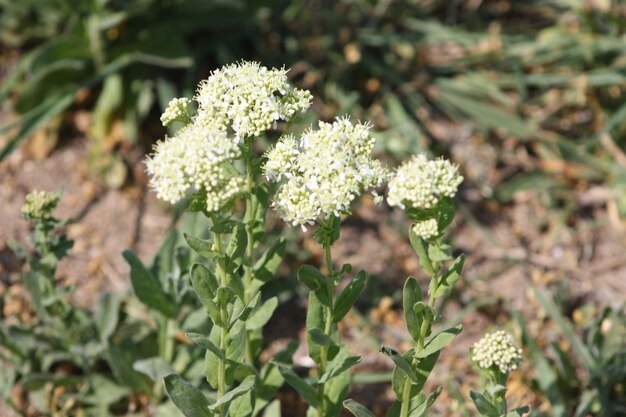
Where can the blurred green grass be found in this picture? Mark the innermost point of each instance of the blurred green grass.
(542, 78)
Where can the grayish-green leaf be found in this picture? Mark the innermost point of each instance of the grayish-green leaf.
(189, 399)
(147, 287)
(357, 409)
(259, 317)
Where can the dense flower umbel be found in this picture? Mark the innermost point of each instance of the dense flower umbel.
(177, 110)
(426, 229)
(323, 172)
(195, 160)
(248, 98)
(497, 349)
(420, 183)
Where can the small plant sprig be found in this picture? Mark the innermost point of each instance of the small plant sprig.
(494, 357)
(425, 190)
(50, 246)
(53, 357)
(322, 173)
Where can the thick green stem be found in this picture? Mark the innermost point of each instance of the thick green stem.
(167, 334)
(327, 329)
(221, 371)
(248, 275)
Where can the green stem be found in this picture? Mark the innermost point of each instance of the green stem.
(248, 275)
(221, 370)
(167, 334)
(406, 391)
(321, 409)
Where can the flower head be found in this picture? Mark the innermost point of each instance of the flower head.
(497, 350)
(196, 159)
(248, 98)
(420, 183)
(323, 172)
(40, 204)
(177, 110)
(426, 229)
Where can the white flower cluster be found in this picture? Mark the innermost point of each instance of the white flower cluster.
(420, 183)
(197, 158)
(248, 98)
(323, 172)
(177, 110)
(497, 349)
(426, 229)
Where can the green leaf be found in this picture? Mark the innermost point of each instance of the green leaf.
(357, 409)
(483, 405)
(316, 282)
(205, 342)
(420, 247)
(237, 246)
(155, 368)
(267, 265)
(349, 295)
(273, 409)
(412, 294)
(439, 252)
(246, 385)
(519, 411)
(201, 247)
(440, 340)
(147, 288)
(262, 315)
(423, 370)
(422, 409)
(315, 318)
(245, 311)
(401, 363)
(445, 212)
(106, 315)
(318, 337)
(243, 406)
(305, 390)
(187, 398)
(447, 280)
(205, 281)
(340, 363)
(335, 391)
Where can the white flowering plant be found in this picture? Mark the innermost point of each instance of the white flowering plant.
(424, 189)
(495, 356)
(311, 179)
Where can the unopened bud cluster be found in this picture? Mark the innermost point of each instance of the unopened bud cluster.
(323, 171)
(40, 204)
(420, 183)
(248, 98)
(177, 110)
(497, 349)
(196, 159)
(426, 229)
